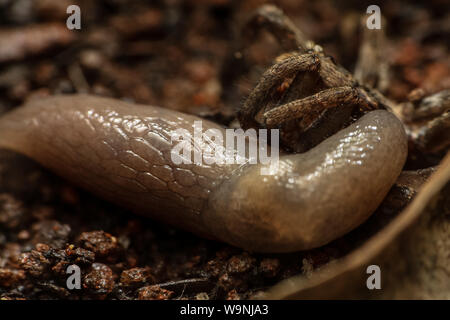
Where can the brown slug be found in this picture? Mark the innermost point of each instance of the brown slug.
(122, 152)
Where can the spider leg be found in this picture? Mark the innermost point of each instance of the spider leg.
(311, 107)
(273, 19)
(333, 75)
(271, 80)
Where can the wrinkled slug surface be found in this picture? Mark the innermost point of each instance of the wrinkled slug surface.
(122, 152)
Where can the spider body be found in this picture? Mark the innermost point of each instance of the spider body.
(305, 93)
(308, 97)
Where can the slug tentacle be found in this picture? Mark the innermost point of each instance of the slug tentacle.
(122, 152)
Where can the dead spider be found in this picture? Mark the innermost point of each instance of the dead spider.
(305, 93)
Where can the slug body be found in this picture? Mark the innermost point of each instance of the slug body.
(122, 152)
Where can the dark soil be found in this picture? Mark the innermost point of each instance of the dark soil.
(179, 55)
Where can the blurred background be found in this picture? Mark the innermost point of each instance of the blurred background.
(176, 53)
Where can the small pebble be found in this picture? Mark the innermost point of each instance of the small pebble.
(136, 277)
(154, 292)
(103, 244)
(99, 280)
